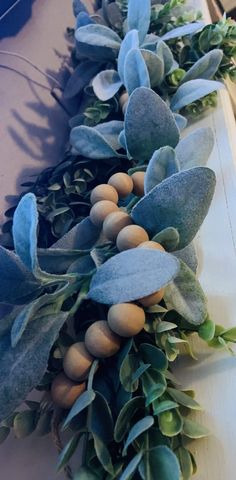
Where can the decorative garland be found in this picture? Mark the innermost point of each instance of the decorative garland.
(96, 320)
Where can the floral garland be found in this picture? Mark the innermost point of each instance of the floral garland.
(96, 320)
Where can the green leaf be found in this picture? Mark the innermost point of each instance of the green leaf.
(25, 224)
(207, 330)
(102, 425)
(135, 71)
(162, 165)
(141, 426)
(103, 454)
(229, 335)
(164, 406)
(132, 274)
(149, 125)
(155, 67)
(165, 327)
(154, 356)
(130, 41)
(128, 367)
(139, 13)
(183, 399)
(24, 423)
(90, 143)
(181, 201)
(97, 42)
(131, 467)
(139, 372)
(125, 416)
(154, 385)
(22, 368)
(81, 403)
(81, 77)
(4, 432)
(81, 237)
(168, 238)
(205, 67)
(194, 430)
(162, 460)
(185, 462)
(188, 155)
(186, 296)
(68, 451)
(170, 423)
(85, 473)
(187, 29)
(191, 91)
(44, 423)
(106, 84)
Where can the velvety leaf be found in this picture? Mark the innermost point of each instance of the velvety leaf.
(193, 90)
(154, 356)
(170, 423)
(82, 19)
(180, 121)
(97, 42)
(125, 416)
(90, 143)
(205, 67)
(162, 165)
(185, 295)
(139, 12)
(168, 238)
(162, 460)
(164, 52)
(111, 132)
(131, 275)
(106, 84)
(131, 467)
(22, 368)
(130, 41)
(57, 260)
(84, 400)
(141, 426)
(181, 201)
(103, 454)
(188, 155)
(149, 124)
(25, 224)
(183, 399)
(78, 6)
(81, 77)
(189, 256)
(155, 67)
(194, 430)
(81, 237)
(18, 285)
(187, 29)
(135, 71)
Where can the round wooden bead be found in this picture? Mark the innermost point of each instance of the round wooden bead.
(101, 210)
(152, 299)
(114, 223)
(130, 237)
(123, 101)
(126, 319)
(64, 391)
(138, 181)
(123, 184)
(77, 362)
(103, 192)
(101, 341)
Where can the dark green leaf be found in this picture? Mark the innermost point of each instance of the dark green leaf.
(168, 238)
(164, 406)
(4, 432)
(68, 451)
(25, 224)
(141, 426)
(183, 399)
(185, 462)
(129, 366)
(194, 430)
(154, 356)
(24, 423)
(80, 404)
(131, 467)
(162, 460)
(103, 454)
(125, 416)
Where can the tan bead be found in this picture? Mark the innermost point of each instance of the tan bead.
(114, 223)
(64, 392)
(123, 101)
(152, 299)
(152, 245)
(130, 237)
(77, 362)
(138, 181)
(126, 319)
(123, 184)
(101, 341)
(103, 192)
(101, 210)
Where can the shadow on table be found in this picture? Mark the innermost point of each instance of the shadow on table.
(16, 18)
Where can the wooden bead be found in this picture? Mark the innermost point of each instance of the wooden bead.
(114, 223)
(126, 319)
(130, 237)
(152, 299)
(101, 341)
(64, 392)
(138, 181)
(77, 362)
(101, 210)
(123, 184)
(152, 245)
(103, 192)
(123, 101)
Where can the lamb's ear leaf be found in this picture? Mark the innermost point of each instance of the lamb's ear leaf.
(149, 124)
(189, 256)
(168, 238)
(106, 84)
(83, 19)
(111, 132)
(187, 29)
(90, 143)
(181, 121)
(162, 165)
(18, 284)
(130, 41)
(139, 13)
(193, 90)
(160, 459)
(25, 224)
(135, 71)
(81, 237)
(22, 367)
(181, 201)
(97, 42)
(205, 67)
(81, 77)
(164, 52)
(155, 66)
(188, 155)
(119, 279)
(185, 296)
(79, 6)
